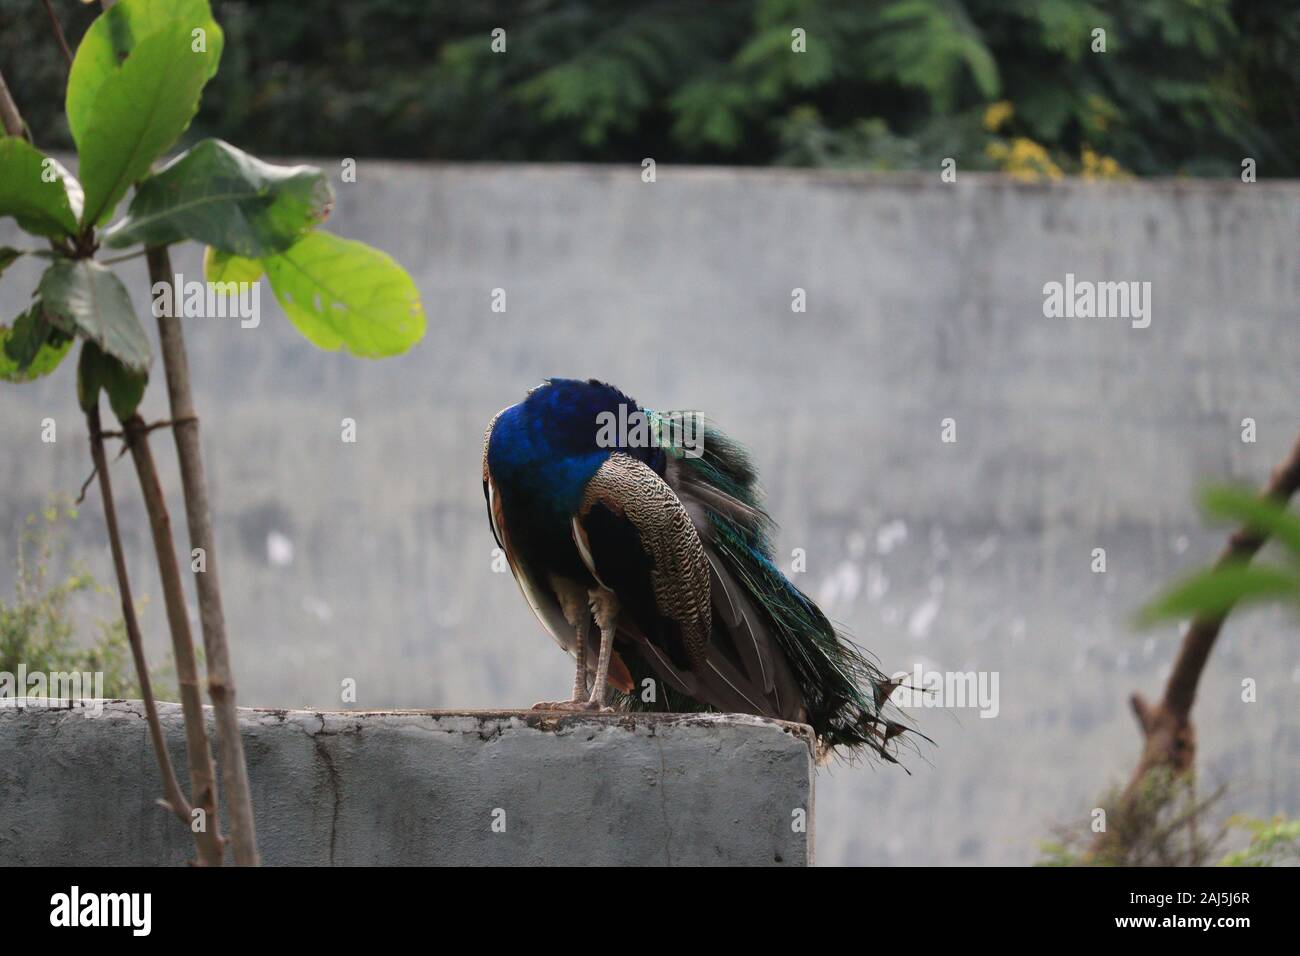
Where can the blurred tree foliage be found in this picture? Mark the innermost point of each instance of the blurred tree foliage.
(1184, 86)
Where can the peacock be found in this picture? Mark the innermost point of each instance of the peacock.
(639, 539)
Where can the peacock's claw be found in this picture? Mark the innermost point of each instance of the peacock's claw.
(571, 705)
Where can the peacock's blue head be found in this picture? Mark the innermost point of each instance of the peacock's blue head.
(569, 427)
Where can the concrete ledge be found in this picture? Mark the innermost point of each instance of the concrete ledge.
(420, 787)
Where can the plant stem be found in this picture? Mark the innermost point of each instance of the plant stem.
(122, 258)
(58, 32)
(202, 774)
(10, 118)
(175, 801)
(198, 515)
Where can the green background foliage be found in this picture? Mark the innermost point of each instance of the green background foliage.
(1184, 87)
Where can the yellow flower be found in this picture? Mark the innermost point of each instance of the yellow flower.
(1094, 166)
(1024, 160)
(997, 114)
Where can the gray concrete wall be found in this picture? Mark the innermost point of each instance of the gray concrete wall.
(407, 788)
(924, 302)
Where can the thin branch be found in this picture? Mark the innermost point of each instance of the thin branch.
(154, 426)
(202, 772)
(10, 118)
(86, 484)
(175, 801)
(116, 259)
(58, 32)
(198, 516)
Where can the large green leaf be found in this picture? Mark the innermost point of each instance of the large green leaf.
(112, 37)
(85, 298)
(1216, 591)
(217, 194)
(96, 371)
(1262, 514)
(31, 347)
(37, 191)
(139, 111)
(344, 294)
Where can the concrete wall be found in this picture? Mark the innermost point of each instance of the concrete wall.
(924, 302)
(406, 788)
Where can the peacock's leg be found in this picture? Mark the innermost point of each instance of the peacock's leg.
(576, 612)
(580, 654)
(604, 606)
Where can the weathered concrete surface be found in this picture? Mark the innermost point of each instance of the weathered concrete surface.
(420, 788)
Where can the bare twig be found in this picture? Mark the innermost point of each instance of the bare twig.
(85, 485)
(202, 774)
(123, 258)
(58, 32)
(10, 118)
(175, 801)
(198, 514)
(152, 426)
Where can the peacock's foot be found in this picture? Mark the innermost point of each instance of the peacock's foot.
(577, 705)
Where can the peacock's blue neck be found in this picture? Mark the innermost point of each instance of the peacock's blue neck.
(544, 451)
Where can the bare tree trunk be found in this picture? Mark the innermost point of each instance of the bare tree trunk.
(202, 775)
(198, 515)
(175, 800)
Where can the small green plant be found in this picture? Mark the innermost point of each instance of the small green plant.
(38, 626)
(1274, 842)
(1161, 826)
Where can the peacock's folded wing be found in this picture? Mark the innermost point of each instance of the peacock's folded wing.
(637, 540)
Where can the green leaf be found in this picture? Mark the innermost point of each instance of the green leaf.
(112, 37)
(139, 111)
(344, 294)
(1214, 592)
(217, 194)
(220, 266)
(37, 191)
(1261, 514)
(97, 371)
(83, 297)
(31, 348)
